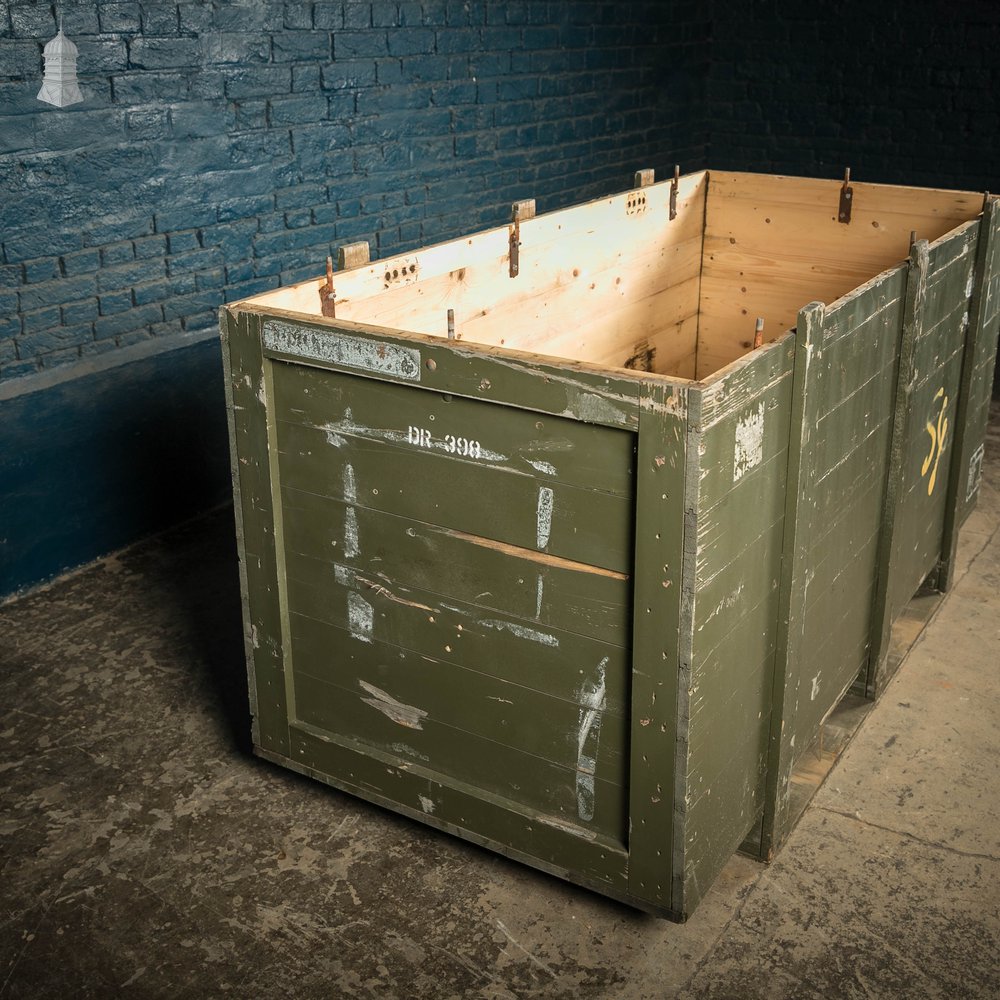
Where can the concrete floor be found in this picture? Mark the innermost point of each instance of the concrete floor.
(145, 853)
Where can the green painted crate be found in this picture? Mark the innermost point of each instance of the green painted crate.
(582, 580)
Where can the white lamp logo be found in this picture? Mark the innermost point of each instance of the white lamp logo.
(59, 86)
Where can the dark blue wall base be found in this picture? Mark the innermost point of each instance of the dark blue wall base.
(92, 459)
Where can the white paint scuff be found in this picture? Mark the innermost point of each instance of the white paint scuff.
(351, 547)
(547, 467)
(426, 804)
(539, 593)
(350, 486)
(400, 713)
(815, 688)
(544, 516)
(360, 617)
(748, 451)
(531, 634)
(593, 696)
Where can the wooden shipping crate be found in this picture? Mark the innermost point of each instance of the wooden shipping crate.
(537, 547)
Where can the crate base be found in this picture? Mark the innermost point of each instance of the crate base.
(844, 721)
(398, 808)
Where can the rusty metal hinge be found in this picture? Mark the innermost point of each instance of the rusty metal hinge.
(674, 187)
(519, 212)
(326, 292)
(846, 198)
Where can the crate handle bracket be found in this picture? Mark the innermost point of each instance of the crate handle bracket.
(519, 212)
(327, 292)
(846, 199)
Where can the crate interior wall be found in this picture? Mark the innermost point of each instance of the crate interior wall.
(581, 582)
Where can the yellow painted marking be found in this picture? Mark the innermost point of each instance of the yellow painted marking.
(938, 435)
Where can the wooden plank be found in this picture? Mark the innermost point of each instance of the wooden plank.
(354, 411)
(527, 584)
(410, 689)
(662, 575)
(544, 840)
(258, 559)
(739, 508)
(522, 381)
(582, 525)
(513, 649)
(916, 526)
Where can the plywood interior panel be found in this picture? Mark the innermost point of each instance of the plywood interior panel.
(619, 284)
(773, 244)
(613, 282)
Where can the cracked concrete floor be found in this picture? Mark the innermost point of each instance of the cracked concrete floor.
(145, 853)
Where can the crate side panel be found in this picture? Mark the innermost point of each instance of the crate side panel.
(850, 396)
(740, 524)
(380, 593)
(931, 395)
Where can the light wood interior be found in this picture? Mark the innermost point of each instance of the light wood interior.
(620, 284)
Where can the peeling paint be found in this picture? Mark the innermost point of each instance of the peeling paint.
(594, 697)
(748, 451)
(567, 827)
(522, 632)
(400, 713)
(351, 548)
(544, 516)
(596, 409)
(350, 486)
(426, 804)
(360, 617)
(547, 467)
(382, 357)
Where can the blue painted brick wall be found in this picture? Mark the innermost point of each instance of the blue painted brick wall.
(901, 93)
(227, 148)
